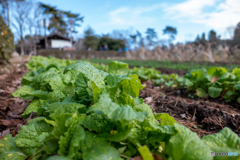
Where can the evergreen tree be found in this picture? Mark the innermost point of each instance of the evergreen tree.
(212, 37)
(197, 39)
(90, 40)
(236, 39)
(151, 35)
(171, 31)
(60, 21)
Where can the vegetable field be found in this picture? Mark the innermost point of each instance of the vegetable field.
(69, 109)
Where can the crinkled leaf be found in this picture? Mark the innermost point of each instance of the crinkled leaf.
(165, 119)
(59, 108)
(49, 80)
(187, 145)
(117, 67)
(91, 73)
(33, 107)
(224, 141)
(144, 108)
(33, 136)
(96, 122)
(126, 90)
(59, 124)
(114, 112)
(69, 143)
(38, 93)
(23, 92)
(9, 150)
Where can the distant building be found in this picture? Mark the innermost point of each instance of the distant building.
(55, 41)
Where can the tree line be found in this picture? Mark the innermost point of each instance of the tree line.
(119, 39)
(28, 18)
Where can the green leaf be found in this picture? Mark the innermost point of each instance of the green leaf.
(92, 75)
(126, 90)
(185, 81)
(96, 92)
(69, 144)
(32, 137)
(33, 107)
(101, 150)
(187, 145)
(144, 108)
(238, 100)
(197, 74)
(165, 119)
(214, 92)
(96, 122)
(228, 94)
(49, 80)
(59, 108)
(216, 71)
(114, 112)
(200, 92)
(161, 132)
(224, 141)
(40, 94)
(145, 153)
(56, 96)
(117, 67)
(236, 71)
(9, 150)
(236, 87)
(59, 124)
(23, 92)
(120, 136)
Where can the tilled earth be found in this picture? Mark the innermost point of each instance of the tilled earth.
(200, 115)
(11, 108)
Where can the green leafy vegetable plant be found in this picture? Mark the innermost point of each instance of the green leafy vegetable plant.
(85, 113)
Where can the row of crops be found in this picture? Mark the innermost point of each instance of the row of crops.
(82, 112)
(213, 82)
(171, 65)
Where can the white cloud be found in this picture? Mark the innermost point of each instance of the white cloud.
(225, 13)
(132, 16)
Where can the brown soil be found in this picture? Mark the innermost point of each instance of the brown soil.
(201, 116)
(11, 108)
(210, 63)
(170, 71)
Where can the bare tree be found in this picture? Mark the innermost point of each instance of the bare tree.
(20, 16)
(33, 23)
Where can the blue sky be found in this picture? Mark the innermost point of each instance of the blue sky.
(190, 17)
